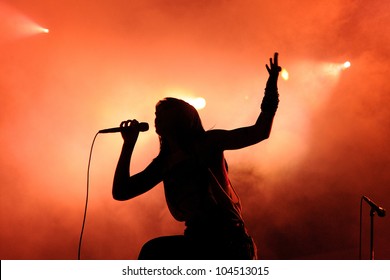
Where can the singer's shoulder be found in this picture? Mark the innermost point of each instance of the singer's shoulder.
(213, 137)
(215, 134)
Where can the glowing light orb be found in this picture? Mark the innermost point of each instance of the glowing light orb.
(198, 102)
(346, 64)
(284, 74)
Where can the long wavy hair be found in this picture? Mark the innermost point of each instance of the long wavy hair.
(186, 127)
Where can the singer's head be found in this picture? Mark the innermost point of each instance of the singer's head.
(177, 121)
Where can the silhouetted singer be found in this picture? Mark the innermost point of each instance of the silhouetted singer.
(192, 166)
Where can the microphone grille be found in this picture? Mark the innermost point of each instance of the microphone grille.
(143, 126)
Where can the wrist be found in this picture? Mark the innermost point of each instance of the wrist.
(128, 146)
(272, 85)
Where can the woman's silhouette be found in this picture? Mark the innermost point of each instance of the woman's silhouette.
(193, 169)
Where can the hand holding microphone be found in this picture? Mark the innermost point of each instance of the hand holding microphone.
(129, 129)
(142, 126)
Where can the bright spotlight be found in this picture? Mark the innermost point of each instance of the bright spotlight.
(346, 65)
(14, 24)
(284, 74)
(198, 102)
(334, 69)
(34, 28)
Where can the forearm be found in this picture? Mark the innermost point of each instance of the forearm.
(263, 125)
(269, 105)
(270, 101)
(122, 171)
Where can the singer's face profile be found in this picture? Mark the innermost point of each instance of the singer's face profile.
(165, 119)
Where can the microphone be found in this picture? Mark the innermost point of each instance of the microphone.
(142, 126)
(381, 211)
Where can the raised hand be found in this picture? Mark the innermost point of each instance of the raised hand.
(271, 97)
(273, 70)
(274, 67)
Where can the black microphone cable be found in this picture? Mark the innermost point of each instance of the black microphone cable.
(143, 127)
(86, 199)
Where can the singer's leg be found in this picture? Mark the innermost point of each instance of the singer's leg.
(180, 247)
(165, 248)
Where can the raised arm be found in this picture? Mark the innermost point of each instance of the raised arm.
(246, 136)
(125, 186)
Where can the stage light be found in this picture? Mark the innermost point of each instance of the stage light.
(33, 28)
(198, 102)
(284, 74)
(15, 25)
(346, 65)
(334, 69)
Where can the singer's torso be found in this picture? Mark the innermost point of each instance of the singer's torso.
(197, 187)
